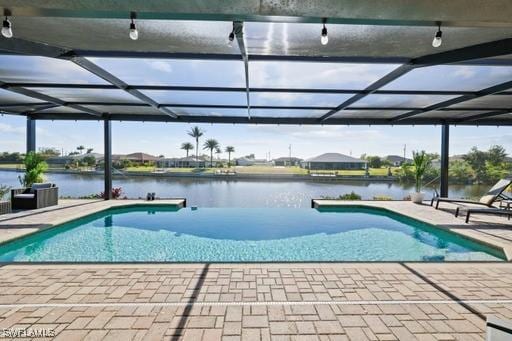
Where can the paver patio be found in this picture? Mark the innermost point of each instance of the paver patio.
(356, 301)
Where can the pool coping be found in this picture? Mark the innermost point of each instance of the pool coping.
(112, 204)
(505, 249)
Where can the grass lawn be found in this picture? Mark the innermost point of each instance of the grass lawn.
(269, 170)
(170, 170)
(360, 172)
(11, 165)
(240, 169)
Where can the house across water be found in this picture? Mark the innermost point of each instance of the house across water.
(287, 161)
(335, 161)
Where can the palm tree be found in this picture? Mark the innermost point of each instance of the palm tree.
(218, 151)
(229, 150)
(80, 148)
(196, 133)
(211, 144)
(187, 146)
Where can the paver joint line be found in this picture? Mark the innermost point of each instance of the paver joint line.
(255, 303)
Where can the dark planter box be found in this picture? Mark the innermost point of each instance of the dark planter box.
(5, 207)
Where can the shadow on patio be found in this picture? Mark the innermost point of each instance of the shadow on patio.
(178, 333)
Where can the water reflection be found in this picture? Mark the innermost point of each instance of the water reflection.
(237, 193)
(109, 244)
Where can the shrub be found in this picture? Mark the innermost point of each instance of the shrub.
(348, 196)
(3, 191)
(422, 163)
(116, 193)
(35, 166)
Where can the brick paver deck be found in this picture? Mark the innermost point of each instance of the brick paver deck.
(358, 301)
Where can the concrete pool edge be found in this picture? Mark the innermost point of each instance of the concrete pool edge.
(505, 249)
(105, 206)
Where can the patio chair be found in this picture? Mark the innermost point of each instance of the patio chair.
(38, 196)
(494, 194)
(488, 211)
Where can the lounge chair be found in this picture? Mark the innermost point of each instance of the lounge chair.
(38, 196)
(495, 193)
(497, 329)
(488, 211)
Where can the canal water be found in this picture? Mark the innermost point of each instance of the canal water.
(236, 193)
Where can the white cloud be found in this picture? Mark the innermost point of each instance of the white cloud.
(10, 129)
(160, 65)
(305, 75)
(465, 72)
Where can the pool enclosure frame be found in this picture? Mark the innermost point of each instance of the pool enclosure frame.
(424, 14)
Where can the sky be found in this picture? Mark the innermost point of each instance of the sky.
(262, 140)
(306, 141)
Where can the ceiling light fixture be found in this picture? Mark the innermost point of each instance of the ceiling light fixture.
(134, 33)
(7, 28)
(438, 38)
(231, 38)
(324, 39)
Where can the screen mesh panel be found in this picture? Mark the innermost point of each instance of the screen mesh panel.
(373, 114)
(497, 101)
(32, 69)
(8, 97)
(316, 75)
(175, 71)
(452, 77)
(210, 112)
(401, 101)
(89, 95)
(197, 97)
(286, 113)
(297, 99)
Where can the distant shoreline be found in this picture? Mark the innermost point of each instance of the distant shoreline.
(237, 176)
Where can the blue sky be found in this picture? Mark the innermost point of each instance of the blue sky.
(306, 141)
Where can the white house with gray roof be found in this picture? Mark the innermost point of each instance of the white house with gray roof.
(334, 161)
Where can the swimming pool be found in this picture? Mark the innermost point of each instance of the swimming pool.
(167, 233)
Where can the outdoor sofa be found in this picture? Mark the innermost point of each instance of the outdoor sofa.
(38, 196)
(493, 195)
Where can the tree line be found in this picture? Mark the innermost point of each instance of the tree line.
(476, 166)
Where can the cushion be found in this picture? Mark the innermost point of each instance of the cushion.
(40, 186)
(24, 196)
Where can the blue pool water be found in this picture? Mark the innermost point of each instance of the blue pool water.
(166, 233)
